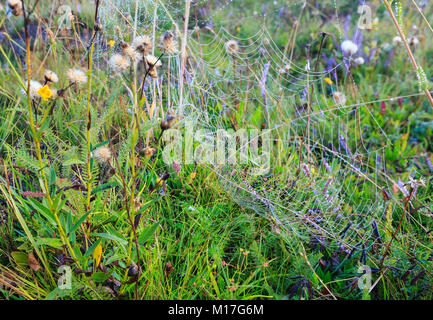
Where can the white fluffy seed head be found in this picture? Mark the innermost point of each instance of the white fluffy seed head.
(50, 76)
(119, 63)
(397, 40)
(359, 60)
(34, 88)
(103, 154)
(349, 47)
(76, 76)
(232, 47)
(413, 41)
(14, 4)
(168, 43)
(339, 98)
(152, 60)
(142, 44)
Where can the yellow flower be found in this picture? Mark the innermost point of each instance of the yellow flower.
(328, 81)
(45, 92)
(111, 43)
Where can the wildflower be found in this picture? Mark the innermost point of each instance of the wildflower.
(286, 69)
(16, 6)
(70, 16)
(50, 76)
(149, 151)
(328, 81)
(128, 51)
(415, 183)
(339, 97)
(51, 35)
(119, 63)
(396, 40)
(349, 47)
(103, 154)
(142, 44)
(111, 44)
(76, 76)
(168, 44)
(165, 125)
(232, 47)
(413, 41)
(34, 88)
(45, 93)
(153, 63)
(359, 60)
(176, 167)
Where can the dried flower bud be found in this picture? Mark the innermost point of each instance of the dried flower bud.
(50, 76)
(149, 151)
(98, 26)
(165, 125)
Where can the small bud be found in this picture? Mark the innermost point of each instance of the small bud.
(165, 125)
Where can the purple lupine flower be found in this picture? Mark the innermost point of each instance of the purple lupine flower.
(342, 141)
(263, 80)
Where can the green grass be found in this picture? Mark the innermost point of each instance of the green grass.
(192, 235)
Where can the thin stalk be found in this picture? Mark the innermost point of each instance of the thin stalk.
(406, 44)
(88, 115)
(36, 140)
(183, 59)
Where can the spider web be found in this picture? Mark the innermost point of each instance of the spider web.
(321, 178)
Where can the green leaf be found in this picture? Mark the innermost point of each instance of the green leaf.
(79, 222)
(20, 258)
(44, 211)
(111, 237)
(52, 242)
(147, 233)
(71, 162)
(100, 276)
(92, 248)
(105, 187)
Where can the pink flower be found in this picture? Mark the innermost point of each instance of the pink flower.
(176, 167)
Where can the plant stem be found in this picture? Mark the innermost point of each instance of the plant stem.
(406, 44)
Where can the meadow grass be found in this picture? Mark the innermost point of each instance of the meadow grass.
(84, 184)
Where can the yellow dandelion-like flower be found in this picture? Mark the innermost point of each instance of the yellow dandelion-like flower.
(328, 81)
(45, 93)
(76, 76)
(111, 44)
